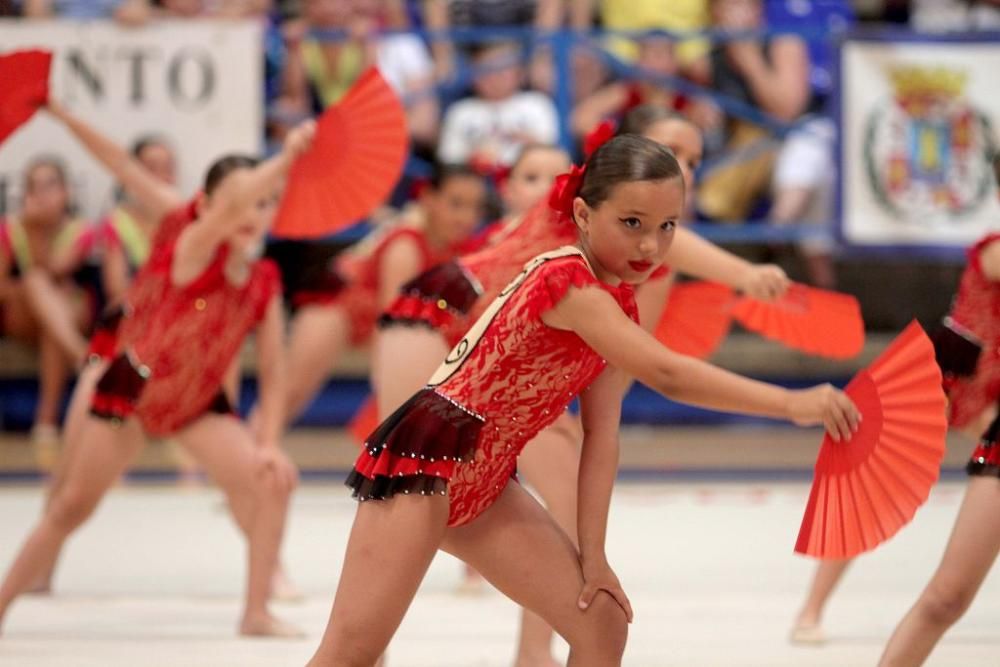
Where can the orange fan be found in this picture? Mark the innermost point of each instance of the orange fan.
(355, 160)
(869, 487)
(815, 321)
(364, 422)
(696, 318)
(24, 87)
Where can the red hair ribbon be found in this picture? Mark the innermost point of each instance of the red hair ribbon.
(598, 136)
(565, 190)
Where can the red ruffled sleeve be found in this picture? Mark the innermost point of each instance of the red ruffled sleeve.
(547, 285)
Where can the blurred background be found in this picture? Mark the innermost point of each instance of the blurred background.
(869, 175)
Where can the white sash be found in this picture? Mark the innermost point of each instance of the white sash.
(461, 352)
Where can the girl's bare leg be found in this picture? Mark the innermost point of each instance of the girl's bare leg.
(109, 450)
(519, 549)
(403, 359)
(53, 309)
(390, 548)
(224, 446)
(317, 339)
(53, 370)
(76, 419)
(971, 552)
(550, 464)
(808, 625)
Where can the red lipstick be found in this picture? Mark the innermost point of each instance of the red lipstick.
(641, 267)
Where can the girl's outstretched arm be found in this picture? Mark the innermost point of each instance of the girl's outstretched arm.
(239, 191)
(695, 256)
(600, 408)
(271, 376)
(154, 195)
(595, 316)
(400, 263)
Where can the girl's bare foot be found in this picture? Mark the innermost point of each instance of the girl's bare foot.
(807, 631)
(472, 584)
(284, 589)
(537, 661)
(265, 625)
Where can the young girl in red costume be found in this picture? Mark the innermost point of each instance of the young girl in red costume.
(436, 474)
(435, 310)
(201, 293)
(967, 347)
(343, 305)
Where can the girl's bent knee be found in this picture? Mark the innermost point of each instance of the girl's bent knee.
(604, 631)
(944, 608)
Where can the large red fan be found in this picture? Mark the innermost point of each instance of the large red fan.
(815, 321)
(696, 319)
(869, 487)
(24, 87)
(355, 160)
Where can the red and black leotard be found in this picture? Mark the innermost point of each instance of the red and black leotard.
(509, 377)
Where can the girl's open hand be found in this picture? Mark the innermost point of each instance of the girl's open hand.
(765, 282)
(300, 138)
(600, 577)
(825, 405)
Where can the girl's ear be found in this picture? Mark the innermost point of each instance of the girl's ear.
(199, 204)
(581, 214)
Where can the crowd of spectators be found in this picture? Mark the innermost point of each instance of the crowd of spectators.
(759, 94)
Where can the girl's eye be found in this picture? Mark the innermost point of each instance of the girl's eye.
(631, 223)
(669, 226)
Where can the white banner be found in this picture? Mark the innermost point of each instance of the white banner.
(919, 125)
(198, 84)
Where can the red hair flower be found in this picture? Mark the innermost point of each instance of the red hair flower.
(565, 190)
(598, 136)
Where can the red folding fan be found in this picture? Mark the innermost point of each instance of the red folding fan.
(354, 162)
(24, 87)
(364, 422)
(696, 319)
(867, 488)
(819, 322)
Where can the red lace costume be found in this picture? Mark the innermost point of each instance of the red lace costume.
(147, 285)
(176, 343)
(360, 297)
(969, 355)
(507, 379)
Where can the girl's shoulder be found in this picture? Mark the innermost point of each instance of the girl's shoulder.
(548, 278)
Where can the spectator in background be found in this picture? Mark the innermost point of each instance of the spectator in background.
(446, 14)
(406, 63)
(127, 12)
(9, 8)
(657, 58)
(954, 15)
(490, 128)
(771, 74)
(40, 246)
(642, 15)
(318, 73)
(182, 9)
